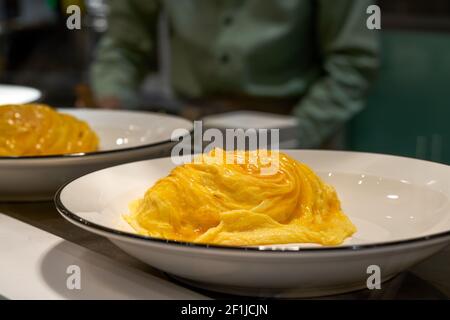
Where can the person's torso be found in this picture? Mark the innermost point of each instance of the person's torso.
(242, 47)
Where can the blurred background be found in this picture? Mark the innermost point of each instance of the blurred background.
(407, 113)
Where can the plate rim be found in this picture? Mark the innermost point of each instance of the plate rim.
(39, 93)
(97, 153)
(76, 219)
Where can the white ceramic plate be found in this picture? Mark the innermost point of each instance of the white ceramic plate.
(125, 136)
(10, 94)
(400, 206)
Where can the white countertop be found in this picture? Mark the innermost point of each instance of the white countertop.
(34, 265)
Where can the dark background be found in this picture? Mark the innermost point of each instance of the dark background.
(407, 113)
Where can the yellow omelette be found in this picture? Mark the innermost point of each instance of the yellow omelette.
(38, 130)
(213, 201)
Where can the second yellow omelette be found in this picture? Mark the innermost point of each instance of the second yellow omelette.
(39, 130)
(214, 202)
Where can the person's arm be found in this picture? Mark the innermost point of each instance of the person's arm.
(125, 53)
(349, 53)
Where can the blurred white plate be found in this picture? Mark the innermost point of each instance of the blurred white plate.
(10, 94)
(400, 206)
(125, 136)
(286, 125)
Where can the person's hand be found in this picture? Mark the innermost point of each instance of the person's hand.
(103, 103)
(86, 99)
(108, 103)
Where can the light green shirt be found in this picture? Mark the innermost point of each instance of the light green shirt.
(319, 51)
